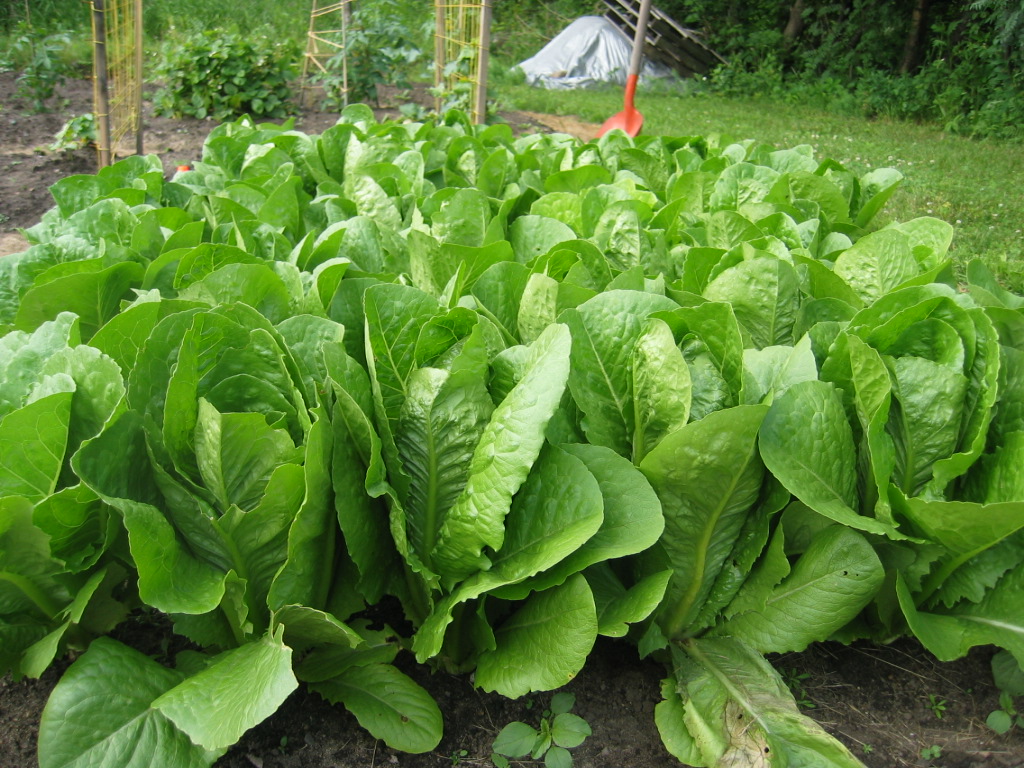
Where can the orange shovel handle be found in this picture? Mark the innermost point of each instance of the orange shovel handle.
(631, 81)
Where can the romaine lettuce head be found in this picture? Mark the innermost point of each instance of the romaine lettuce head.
(224, 447)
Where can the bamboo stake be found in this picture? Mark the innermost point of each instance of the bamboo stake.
(439, 51)
(346, 18)
(311, 51)
(102, 96)
(484, 60)
(139, 62)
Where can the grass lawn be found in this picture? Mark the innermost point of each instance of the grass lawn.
(976, 185)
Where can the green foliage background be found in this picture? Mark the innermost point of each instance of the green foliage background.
(960, 66)
(964, 70)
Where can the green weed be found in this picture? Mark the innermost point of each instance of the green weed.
(934, 752)
(794, 680)
(1006, 718)
(559, 731)
(936, 705)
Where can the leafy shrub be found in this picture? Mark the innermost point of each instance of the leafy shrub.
(978, 84)
(899, 97)
(44, 69)
(763, 79)
(380, 47)
(933, 94)
(223, 75)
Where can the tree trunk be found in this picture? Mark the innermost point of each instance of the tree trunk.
(795, 25)
(912, 49)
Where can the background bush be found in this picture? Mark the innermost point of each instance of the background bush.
(224, 74)
(959, 64)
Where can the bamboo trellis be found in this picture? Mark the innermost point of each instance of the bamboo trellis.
(328, 36)
(462, 52)
(117, 75)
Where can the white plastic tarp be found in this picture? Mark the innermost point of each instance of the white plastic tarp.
(589, 51)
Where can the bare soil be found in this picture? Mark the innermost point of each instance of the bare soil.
(887, 704)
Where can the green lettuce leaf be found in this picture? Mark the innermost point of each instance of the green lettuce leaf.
(388, 704)
(830, 583)
(127, 732)
(708, 476)
(604, 333)
(544, 644)
(807, 443)
(736, 711)
(557, 510)
(502, 459)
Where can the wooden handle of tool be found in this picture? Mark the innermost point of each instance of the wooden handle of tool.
(637, 59)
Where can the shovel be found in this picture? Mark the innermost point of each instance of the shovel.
(629, 120)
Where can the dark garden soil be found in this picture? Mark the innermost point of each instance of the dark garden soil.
(887, 704)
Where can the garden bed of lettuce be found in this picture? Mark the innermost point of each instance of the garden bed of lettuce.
(495, 252)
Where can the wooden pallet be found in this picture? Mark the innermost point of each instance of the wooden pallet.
(667, 42)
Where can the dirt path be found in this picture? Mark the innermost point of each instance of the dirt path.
(566, 124)
(12, 242)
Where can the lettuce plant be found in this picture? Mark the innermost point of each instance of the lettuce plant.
(493, 515)
(525, 389)
(61, 559)
(231, 525)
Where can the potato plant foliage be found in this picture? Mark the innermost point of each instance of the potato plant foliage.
(535, 390)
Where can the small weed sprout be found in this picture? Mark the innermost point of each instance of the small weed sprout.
(1009, 678)
(934, 752)
(794, 680)
(936, 705)
(560, 731)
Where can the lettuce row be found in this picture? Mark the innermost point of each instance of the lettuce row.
(674, 389)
